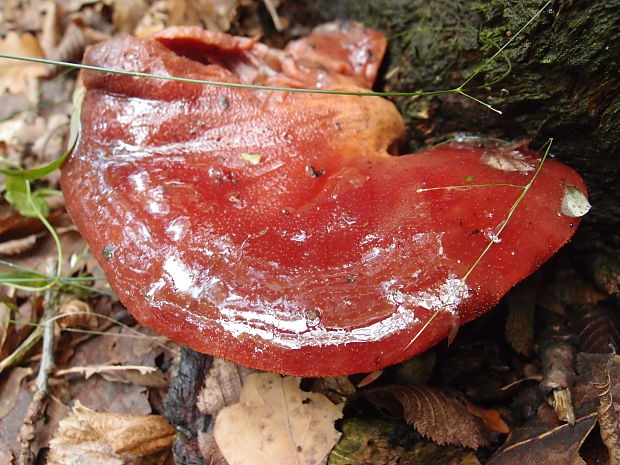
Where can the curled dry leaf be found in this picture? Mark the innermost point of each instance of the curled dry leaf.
(86, 436)
(443, 418)
(77, 314)
(281, 424)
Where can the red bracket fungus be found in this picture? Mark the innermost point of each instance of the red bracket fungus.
(274, 229)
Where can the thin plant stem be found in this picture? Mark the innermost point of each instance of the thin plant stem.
(491, 242)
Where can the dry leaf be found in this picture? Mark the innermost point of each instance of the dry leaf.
(9, 389)
(209, 450)
(491, 418)
(17, 76)
(336, 388)
(19, 246)
(443, 418)
(77, 314)
(129, 374)
(6, 456)
(597, 327)
(556, 446)
(370, 378)
(86, 436)
(521, 303)
(211, 14)
(222, 386)
(127, 14)
(280, 424)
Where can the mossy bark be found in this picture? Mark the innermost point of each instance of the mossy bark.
(560, 78)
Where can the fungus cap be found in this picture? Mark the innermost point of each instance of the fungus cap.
(275, 229)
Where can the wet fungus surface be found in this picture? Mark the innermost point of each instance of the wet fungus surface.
(275, 229)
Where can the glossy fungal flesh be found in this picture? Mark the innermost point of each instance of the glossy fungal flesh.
(273, 229)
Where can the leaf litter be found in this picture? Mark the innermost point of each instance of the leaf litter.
(281, 424)
(24, 142)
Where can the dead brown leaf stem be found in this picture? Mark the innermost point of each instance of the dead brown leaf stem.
(38, 405)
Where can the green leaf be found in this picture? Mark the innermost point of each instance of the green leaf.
(22, 277)
(26, 203)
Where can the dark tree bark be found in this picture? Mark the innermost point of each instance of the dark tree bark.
(561, 80)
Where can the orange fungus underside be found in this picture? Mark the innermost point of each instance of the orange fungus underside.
(274, 229)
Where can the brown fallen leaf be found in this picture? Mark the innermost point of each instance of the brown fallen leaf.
(521, 303)
(17, 76)
(127, 14)
(86, 436)
(370, 378)
(543, 439)
(596, 326)
(129, 374)
(539, 445)
(338, 389)
(281, 424)
(222, 386)
(491, 418)
(9, 389)
(19, 246)
(443, 418)
(77, 314)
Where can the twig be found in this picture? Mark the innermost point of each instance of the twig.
(274, 15)
(37, 407)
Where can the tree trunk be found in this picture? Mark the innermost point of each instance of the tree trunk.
(560, 78)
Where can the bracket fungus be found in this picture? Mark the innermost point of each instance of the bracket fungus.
(277, 229)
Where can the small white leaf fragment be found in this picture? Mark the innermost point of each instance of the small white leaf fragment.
(251, 158)
(574, 203)
(276, 423)
(507, 160)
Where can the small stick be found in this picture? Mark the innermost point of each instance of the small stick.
(37, 407)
